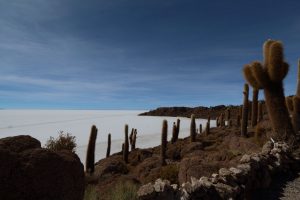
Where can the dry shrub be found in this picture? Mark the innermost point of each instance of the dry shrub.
(65, 141)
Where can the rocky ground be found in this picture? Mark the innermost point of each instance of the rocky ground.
(223, 147)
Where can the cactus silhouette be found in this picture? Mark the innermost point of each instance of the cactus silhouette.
(126, 145)
(245, 111)
(108, 145)
(174, 133)
(193, 129)
(269, 76)
(90, 155)
(164, 142)
(254, 107)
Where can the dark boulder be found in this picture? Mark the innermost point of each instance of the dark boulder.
(28, 171)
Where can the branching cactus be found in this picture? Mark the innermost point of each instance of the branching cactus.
(174, 132)
(245, 111)
(126, 145)
(164, 142)
(269, 76)
(254, 107)
(193, 128)
(90, 155)
(108, 145)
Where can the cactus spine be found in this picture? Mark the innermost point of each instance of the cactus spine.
(254, 107)
(164, 138)
(108, 145)
(245, 111)
(90, 155)
(126, 145)
(193, 129)
(269, 76)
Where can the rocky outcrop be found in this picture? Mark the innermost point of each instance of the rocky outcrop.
(199, 112)
(253, 171)
(28, 171)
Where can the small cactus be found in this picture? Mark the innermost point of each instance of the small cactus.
(254, 107)
(245, 111)
(269, 76)
(108, 145)
(193, 128)
(90, 155)
(164, 142)
(126, 145)
(249, 111)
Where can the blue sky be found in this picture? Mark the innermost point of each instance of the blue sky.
(137, 54)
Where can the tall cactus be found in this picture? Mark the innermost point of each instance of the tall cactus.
(134, 139)
(228, 114)
(164, 142)
(269, 76)
(108, 145)
(289, 104)
(174, 132)
(177, 128)
(207, 128)
(126, 145)
(260, 111)
(254, 107)
(90, 155)
(193, 129)
(200, 128)
(296, 104)
(245, 111)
